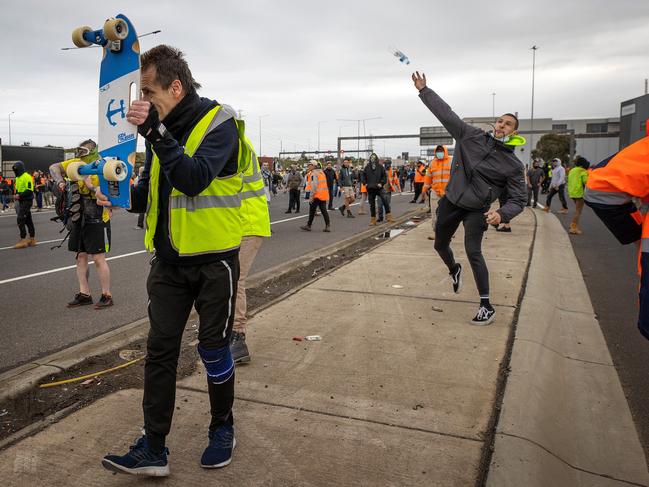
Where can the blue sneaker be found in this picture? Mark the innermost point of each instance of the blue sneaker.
(219, 452)
(139, 461)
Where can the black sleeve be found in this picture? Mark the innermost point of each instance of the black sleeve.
(457, 127)
(191, 175)
(384, 176)
(140, 192)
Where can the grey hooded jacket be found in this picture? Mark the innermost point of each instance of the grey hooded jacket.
(482, 167)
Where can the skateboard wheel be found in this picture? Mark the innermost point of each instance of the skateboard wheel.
(77, 36)
(73, 171)
(115, 29)
(115, 170)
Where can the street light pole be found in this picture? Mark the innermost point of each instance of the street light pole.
(260, 117)
(534, 49)
(321, 121)
(10, 113)
(493, 106)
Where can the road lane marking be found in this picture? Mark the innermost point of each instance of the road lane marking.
(60, 269)
(66, 268)
(37, 243)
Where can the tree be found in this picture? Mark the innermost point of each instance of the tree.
(550, 146)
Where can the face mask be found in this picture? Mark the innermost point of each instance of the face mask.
(439, 155)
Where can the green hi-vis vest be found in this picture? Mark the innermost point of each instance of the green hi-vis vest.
(255, 218)
(209, 222)
(24, 182)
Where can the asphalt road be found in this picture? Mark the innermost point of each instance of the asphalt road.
(36, 283)
(610, 272)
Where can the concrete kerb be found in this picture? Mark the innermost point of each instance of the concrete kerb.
(17, 381)
(564, 417)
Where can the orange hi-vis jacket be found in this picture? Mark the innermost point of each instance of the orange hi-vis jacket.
(419, 174)
(319, 180)
(393, 181)
(610, 190)
(307, 178)
(439, 173)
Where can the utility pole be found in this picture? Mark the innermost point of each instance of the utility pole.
(493, 106)
(534, 49)
(10, 113)
(260, 117)
(646, 86)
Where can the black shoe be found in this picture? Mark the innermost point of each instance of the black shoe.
(80, 299)
(306, 228)
(504, 229)
(105, 301)
(288, 211)
(485, 316)
(342, 210)
(327, 229)
(350, 214)
(139, 460)
(238, 348)
(456, 277)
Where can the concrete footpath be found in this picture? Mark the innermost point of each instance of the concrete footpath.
(400, 391)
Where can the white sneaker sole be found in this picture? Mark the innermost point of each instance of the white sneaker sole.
(484, 323)
(145, 471)
(227, 462)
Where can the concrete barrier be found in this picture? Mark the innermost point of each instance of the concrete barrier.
(564, 419)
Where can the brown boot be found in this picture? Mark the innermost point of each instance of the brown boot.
(388, 217)
(546, 209)
(31, 241)
(23, 243)
(372, 222)
(574, 229)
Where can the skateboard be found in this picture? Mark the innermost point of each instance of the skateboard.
(119, 84)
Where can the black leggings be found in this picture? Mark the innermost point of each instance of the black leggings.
(313, 206)
(24, 217)
(449, 218)
(562, 196)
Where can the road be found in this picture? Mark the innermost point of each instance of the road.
(36, 283)
(609, 270)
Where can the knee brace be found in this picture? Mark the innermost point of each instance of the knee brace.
(218, 363)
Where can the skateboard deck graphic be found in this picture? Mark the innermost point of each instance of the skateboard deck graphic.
(119, 84)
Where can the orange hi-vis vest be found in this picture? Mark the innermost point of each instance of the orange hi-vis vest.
(307, 178)
(439, 173)
(322, 190)
(609, 191)
(419, 177)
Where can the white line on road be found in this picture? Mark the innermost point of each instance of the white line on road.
(60, 269)
(51, 271)
(34, 213)
(37, 243)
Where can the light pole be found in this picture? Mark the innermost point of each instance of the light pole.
(260, 117)
(358, 122)
(493, 106)
(321, 121)
(533, 48)
(10, 113)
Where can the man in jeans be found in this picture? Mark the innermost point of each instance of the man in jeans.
(483, 167)
(294, 182)
(535, 178)
(346, 182)
(557, 185)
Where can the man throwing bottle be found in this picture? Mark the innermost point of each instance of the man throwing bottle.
(483, 166)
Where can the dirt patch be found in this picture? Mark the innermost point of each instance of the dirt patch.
(38, 404)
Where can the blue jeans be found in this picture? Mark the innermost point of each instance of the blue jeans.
(3, 200)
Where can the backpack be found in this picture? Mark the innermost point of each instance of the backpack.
(67, 204)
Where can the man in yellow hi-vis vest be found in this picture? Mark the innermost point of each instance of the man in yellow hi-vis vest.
(191, 188)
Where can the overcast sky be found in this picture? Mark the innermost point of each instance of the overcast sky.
(304, 62)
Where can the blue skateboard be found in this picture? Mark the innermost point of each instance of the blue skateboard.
(119, 85)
